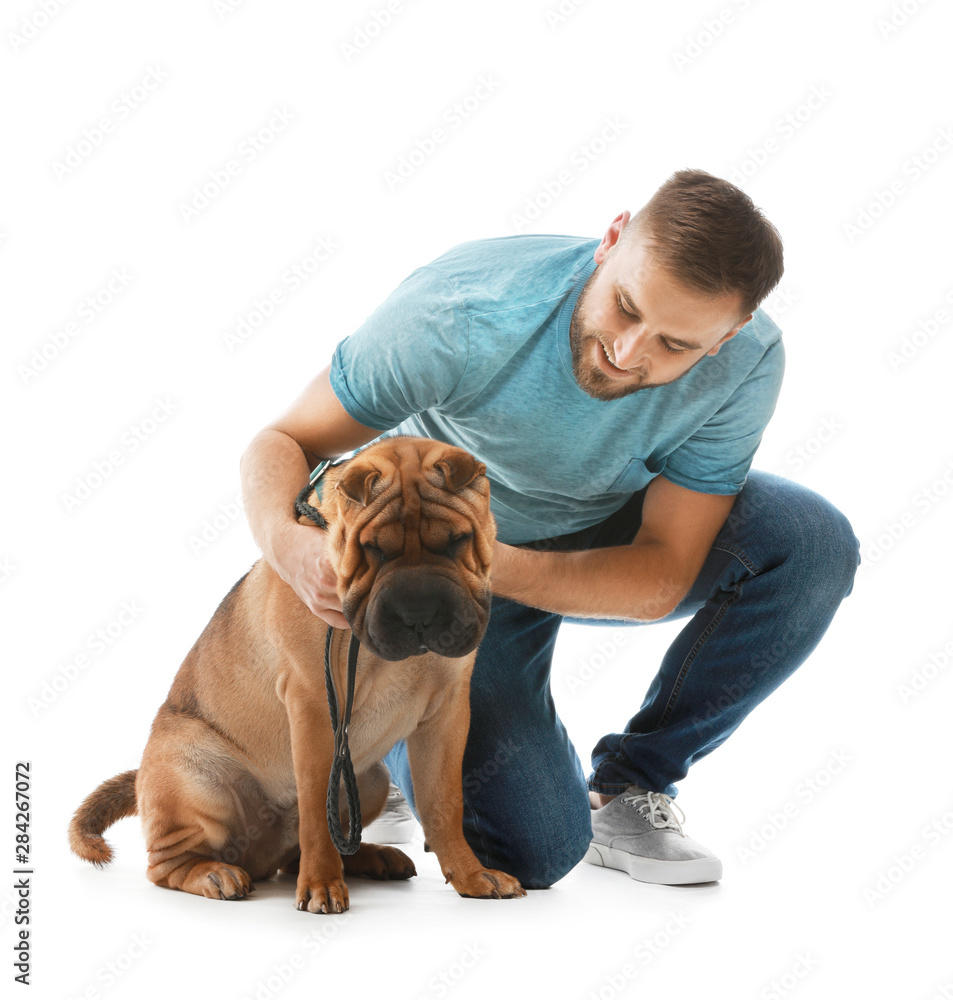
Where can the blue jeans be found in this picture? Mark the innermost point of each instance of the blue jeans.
(767, 592)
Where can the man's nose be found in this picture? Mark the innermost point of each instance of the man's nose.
(629, 348)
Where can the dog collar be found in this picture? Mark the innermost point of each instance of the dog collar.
(323, 467)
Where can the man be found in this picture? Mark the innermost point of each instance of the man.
(617, 391)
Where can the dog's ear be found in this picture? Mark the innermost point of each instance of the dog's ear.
(460, 468)
(357, 483)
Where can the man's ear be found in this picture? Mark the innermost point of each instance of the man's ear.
(728, 336)
(357, 482)
(459, 469)
(612, 236)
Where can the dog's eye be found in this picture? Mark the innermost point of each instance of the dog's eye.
(456, 543)
(372, 550)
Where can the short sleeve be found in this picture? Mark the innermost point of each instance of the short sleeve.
(718, 456)
(409, 355)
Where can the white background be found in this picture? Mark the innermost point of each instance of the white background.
(831, 807)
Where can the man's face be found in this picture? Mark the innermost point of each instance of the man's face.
(634, 327)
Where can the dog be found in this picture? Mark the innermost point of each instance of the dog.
(233, 781)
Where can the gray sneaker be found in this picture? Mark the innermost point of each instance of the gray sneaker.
(637, 832)
(396, 823)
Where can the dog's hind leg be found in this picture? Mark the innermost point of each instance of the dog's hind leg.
(380, 862)
(187, 831)
(196, 872)
(192, 811)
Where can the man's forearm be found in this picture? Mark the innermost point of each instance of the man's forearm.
(634, 582)
(273, 470)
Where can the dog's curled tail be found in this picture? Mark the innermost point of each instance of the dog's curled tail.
(113, 800)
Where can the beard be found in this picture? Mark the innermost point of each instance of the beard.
(588, 376)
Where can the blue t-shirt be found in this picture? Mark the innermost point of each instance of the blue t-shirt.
(473, 349)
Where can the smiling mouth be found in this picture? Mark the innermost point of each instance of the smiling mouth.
(611, 362)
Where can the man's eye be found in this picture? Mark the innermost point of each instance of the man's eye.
(672, 350)
(624, 311)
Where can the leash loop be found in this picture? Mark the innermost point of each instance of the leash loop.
(341, 765)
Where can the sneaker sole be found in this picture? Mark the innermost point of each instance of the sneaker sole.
(688, 872)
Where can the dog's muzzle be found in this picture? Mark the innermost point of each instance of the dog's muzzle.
(413, 610)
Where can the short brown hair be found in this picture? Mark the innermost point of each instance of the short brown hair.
(710, 236)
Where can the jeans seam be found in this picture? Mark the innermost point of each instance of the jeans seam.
(739, 554)
(754, 570)
(742, 557)
(692, 654)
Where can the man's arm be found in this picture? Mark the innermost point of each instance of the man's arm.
(274, 467)
(642, 581)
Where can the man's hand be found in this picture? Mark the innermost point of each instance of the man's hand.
(300, 558)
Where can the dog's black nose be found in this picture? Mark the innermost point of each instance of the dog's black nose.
(415, 605)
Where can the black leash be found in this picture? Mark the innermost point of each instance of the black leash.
(342, 754)
(341, 765)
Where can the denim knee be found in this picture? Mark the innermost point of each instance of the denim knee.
(847, 547)
(826, 539)
(780, 521)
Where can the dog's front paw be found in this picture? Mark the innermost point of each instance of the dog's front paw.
(321, 896)
(486, 883)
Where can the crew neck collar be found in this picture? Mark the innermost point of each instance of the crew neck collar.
(564, 320)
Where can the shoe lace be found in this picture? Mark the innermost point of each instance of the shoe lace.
(658, 808)
(395, 800)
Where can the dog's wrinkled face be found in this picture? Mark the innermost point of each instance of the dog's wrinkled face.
(411, 530)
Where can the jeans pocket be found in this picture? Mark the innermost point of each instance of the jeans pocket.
(636, 475)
